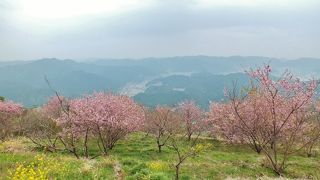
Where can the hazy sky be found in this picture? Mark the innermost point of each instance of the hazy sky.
(80, 29)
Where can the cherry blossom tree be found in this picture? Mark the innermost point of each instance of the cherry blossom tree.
(58, 109)
(8, 110)
(192, 117)
(162, 122)
(173, 127)
(285, 111)
(223, 123)
(311, 135)
(107, 117)
(272, 114)
(245, 130)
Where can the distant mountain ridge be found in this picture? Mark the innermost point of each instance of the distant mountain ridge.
(150, 81)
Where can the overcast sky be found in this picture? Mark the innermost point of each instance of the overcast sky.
(80, 29)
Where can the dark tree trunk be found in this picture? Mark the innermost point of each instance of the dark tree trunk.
(257, 148)
(177, 172)
(189, 136)
(159, 148)
(309, 150)
(86, 153)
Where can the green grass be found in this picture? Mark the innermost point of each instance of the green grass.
(138, 158)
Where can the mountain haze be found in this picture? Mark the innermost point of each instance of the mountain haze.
(150, 81)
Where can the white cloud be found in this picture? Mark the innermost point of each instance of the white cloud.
(55, 9)
(138, 28)
(259, 3)
(49, 17)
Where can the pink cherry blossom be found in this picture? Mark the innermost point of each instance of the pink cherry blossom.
(105, 116)
(10, 107)
(273, 113)
(192, 116)
(54, 106)
(8, 110)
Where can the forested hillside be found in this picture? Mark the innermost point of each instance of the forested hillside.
(150, 81)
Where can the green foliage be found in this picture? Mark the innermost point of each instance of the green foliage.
(2, 98)
(159, 176)
(139, 159)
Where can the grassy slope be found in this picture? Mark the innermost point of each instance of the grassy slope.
(136, 157)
